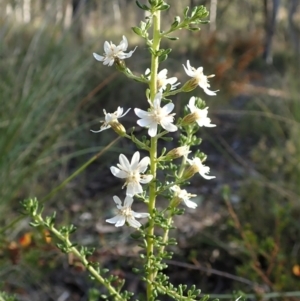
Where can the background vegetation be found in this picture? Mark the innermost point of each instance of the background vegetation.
(244, 234)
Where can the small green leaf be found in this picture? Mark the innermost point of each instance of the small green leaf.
(205, 298)
(168, 139)
(172, 38)
(33, 224)
(136, 235)
(164, 7)
(137, 31)
(142, 6)
(152, 51)
(164, 51)
(185, 12)
(193, 28)
(162, 58)
(194, 11)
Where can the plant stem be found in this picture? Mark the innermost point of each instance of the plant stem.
(153, 156)
(86, 263)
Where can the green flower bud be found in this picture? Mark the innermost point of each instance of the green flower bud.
(190, 85)
(189, 119)
(118, 128)
(178, 152)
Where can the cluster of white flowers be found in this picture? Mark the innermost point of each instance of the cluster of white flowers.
(157, 115)
(132, 172)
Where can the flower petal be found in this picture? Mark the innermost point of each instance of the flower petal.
(168, 108)
(124, 162)
(124, 113)
(168, 126)
(206, 176)
(128, 201)
(98, 57)
(145, 122)
(103, 128)
(117, 200)
(190, 204)
(208, 92)
(118, 173)
(133, 188)
(108, 47)
(141, 113)
(142, 166)
(124, 43)
(121, 221)
(133, 223)
(188, 70)
(152, 130)
(145, 179)
(191, 104)
(135, 160)
(126, 55)
(140, 214)
(114, 219)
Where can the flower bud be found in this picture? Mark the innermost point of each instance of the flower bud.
(118, 128)
(175, 201)
(189, 119)
(178, 152)
(120, 65)
(190, 171)
(190, 85)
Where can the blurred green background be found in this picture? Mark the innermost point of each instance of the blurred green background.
(244, 234)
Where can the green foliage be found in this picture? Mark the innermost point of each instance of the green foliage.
(42, 89)
(42, 78)
(269, 209)
(7, 297)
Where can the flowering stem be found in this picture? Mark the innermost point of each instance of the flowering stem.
(153, 154)
(130, 75)
(113, 292)
(170, 217)
(183, 161)
(165, 239)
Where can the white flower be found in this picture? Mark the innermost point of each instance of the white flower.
(184, 196)
(157, 115)
(197, 166)
(113, 52)
(125, 214)
(111, 119)
(199, 77)
(200, 115)
(132, 173)
(163, 81)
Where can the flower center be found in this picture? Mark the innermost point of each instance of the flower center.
(133, 176)
(126, 211)
(157, 114)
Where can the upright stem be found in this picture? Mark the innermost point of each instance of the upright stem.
(153, 155)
